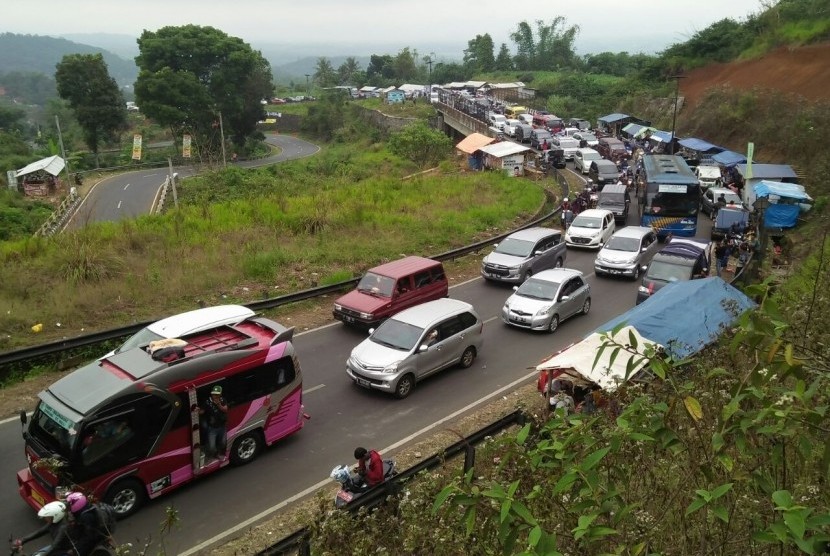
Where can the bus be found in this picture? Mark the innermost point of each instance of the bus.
(126, 428)
(668, 195)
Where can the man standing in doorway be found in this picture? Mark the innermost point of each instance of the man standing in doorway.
(216, 418)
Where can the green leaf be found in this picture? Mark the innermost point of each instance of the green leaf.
(795, 521)
(721, 490)
(726, 462)
(593, 459)
(522, 511)
(640, 436)
(534, 536)
(722, 513)
(470, 520)
(693, 407)
(717, 442)
(522, 436)
(505, 510)
(695, 506)
(782, 498)
(599, 532)
(442, 497)
(564, 482)
(637, 549)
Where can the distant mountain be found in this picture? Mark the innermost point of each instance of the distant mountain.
(125, 46)
(40, 54)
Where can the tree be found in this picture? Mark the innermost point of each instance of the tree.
(324, 74)
(380, 69)
(478, 56)
(554, 48)
(405, 66)
(11, 117)
(504, 61)
(349, 71)
(84, 82)
(420, 143)
(190, 75)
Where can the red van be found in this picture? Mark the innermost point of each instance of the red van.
(390, 288)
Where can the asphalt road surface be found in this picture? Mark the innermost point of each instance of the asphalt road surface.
(344, 416)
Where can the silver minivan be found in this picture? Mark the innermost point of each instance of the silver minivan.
(416, 343)
(524, 253)
(627, 252)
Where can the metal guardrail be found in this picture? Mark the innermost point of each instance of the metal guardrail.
(299, 540)
(57, 347)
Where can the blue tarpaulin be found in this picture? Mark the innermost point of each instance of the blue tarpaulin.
(765, 188)
(664, 136)
(685, 316)
(783, 213)
(699, 145)
(781, 216)
(729, 158)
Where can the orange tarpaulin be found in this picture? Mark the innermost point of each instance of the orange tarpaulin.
(473, 142)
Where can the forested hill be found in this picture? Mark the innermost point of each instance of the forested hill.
(40, 54)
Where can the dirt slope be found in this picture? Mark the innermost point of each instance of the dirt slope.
(804, 71)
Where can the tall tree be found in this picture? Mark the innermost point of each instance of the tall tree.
(504, 61)
(380, 69)
(525, 46)
(478, 56)
(190, 75)
(552, 48)
(324, 73)
(349, 71)
(84, 82)
(405, 65)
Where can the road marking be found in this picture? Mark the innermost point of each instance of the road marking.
(327, 482)
(126, 186)
(119, 205)
(313, 388)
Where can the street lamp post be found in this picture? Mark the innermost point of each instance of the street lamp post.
(307, 89)
(677, 79)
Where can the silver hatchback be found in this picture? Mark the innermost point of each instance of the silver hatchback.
(547, 299)
(416, 343)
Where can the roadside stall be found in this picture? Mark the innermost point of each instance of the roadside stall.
(786, 202)
(506, 156)
(40, 178)
(471, 146)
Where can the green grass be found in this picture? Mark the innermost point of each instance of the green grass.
(239, 235)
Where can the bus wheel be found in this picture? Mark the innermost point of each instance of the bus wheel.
(126, 497)
(246, 448)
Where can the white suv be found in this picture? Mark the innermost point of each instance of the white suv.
(583, 158)
(591, 229)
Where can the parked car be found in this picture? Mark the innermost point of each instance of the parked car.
(683, 258)
(583, 159)
(611, 148)
(539, 136)
(709, 200)
(591, 228)
(415, 343)
(523, 132)
(185, 324)
(581, 123)
(586, 139)
(524, 253)
(510, 127)
(389, 288)
(547, 299)
(709, 176)
(627, 252)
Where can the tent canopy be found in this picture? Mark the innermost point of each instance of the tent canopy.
(699, 145)
(729, 158)
(666, 317)
(764, 188)
(577, 361)
(504, 148)
(611, 118)
(473, 142)
(768, 171)
(52, 165)
(663, 136)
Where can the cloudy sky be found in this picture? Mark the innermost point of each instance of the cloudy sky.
(446, 25)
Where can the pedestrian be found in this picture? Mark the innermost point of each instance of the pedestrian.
(369, 465)
(722, 252)
(216, 418)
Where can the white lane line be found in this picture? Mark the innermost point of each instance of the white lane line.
(119, 205)
(328, 482)
(126, 186)
(313, 388)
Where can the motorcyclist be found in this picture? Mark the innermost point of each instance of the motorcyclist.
(55, 526)
(87, 531)
(369, 465)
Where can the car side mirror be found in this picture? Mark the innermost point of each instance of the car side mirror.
(422, 348)
(371, 331)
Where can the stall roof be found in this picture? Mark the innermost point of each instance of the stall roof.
(611, 118)
(369, 89)
(729, 158)
(409, 87)
(632, 129)
(699, 145)
(52, 165)
(663, 136)
(504, 148)
(765, 188)
(665, 317)
(474, 142)
(764, 171)
(579, 359)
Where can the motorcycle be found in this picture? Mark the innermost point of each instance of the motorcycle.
(105, 548)
(352, 484)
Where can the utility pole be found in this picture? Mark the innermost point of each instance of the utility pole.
(63, 152)
(222, 133)
(677, 79)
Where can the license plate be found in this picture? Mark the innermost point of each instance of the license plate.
(38, 498)
(520, 319)
(347, 318)
(345, 496)
(362, 382)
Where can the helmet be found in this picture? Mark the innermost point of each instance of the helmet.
(76, 501)
(566, 200)
(341, 474)
(55, 510)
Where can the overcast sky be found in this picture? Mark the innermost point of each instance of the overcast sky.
(615, 25)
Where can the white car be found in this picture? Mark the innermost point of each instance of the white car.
(590, 229)
(589, 138)
(187, 323)
(583, 159)
(627, 252)
(510, 127)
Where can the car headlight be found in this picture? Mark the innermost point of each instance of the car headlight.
(389, 369)
(642, 289)
(544, 310)
(338, 307)
(366, 316)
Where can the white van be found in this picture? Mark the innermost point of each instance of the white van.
(583, 159)
(709, 176)
(567, 144)
(497, 120)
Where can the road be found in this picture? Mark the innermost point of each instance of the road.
(131, 194)
(344, 416)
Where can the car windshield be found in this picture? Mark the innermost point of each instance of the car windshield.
(612, 199)
(591, 222)
(668, 272)
(140, 338)
(592, 156)
(51, 427)
(628, 244)
(377, 285)
(515, 247)
(538, 289)
(397, 335)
